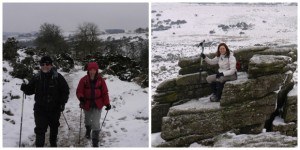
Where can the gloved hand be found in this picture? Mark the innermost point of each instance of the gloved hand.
(62, 108)
(23, 86)
(81, 99)
(108, 107)
(203, 55)
(219, 75)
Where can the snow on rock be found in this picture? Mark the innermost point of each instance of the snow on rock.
(156, 139)
(278, 121)
(195, 106)
(267, 139)
(269, 59)
(293, 92)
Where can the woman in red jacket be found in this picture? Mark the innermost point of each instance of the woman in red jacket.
(93, 95)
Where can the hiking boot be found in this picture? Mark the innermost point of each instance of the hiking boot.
(88, 132)
(219, 87)
(95, 138)
(53, 141)
(213, 87)
(53, 136)
(53, 144)
(40, 140)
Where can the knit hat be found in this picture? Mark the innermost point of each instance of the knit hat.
(46, 59)
(92, 65)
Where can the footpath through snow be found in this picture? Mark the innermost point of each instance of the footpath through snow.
(126, 124)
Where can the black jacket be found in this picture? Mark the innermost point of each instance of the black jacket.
(51, 91)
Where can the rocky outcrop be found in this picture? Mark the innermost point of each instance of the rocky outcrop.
(244, 90)
(290, 108)
(245, 106)
(262, 65)
(176, 91)
(158, 112)
(192, 118)
(287, 125)
(192, 64)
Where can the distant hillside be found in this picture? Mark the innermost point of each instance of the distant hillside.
(114, 31)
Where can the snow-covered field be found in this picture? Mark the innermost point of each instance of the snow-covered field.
(238, 25)
(244, 25)
(126, 124)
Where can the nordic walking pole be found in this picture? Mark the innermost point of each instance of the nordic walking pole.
(201, 60)
(103, 121)
(80, 126)
(24, 97)
(202, 45)
(66, 120)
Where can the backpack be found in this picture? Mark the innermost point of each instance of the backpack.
(238, 65)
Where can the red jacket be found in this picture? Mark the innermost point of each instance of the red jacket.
(101, 92)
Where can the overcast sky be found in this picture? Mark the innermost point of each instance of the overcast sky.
(27, 17)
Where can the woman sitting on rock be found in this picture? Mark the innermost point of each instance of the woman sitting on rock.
(226, 72)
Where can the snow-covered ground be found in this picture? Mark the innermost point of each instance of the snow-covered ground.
(126, 124)
(262, 25)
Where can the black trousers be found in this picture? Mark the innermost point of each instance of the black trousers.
(43, 119)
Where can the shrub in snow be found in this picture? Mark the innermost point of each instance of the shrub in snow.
(10, 48)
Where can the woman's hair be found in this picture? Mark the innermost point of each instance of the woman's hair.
(226, 47)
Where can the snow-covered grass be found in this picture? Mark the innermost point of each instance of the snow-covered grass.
(121, 35)
(11, 121)
(126, 124)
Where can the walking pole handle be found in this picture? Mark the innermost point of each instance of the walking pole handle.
(202, 46)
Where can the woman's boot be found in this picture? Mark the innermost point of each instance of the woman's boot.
(95, 138)
(88, 132)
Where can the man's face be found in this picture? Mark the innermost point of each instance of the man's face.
(46, 67)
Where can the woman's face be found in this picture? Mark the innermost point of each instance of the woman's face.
(92, 73)
(222, 50)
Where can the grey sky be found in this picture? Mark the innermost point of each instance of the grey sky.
(27, 17)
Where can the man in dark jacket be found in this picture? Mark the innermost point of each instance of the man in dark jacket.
(51, 94)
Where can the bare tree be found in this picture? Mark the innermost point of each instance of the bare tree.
(50, 38)
(86, 39)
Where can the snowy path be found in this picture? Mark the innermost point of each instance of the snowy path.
(126, 124)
